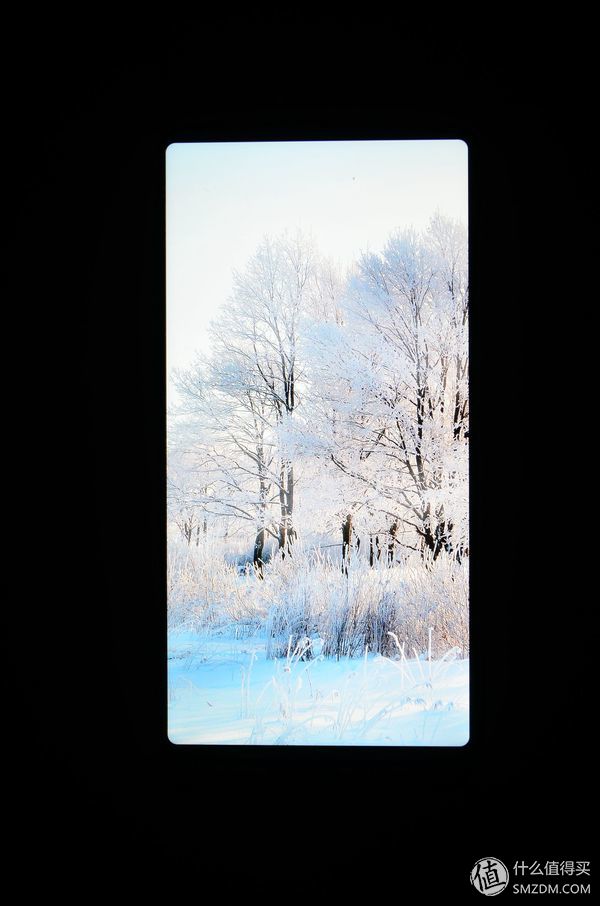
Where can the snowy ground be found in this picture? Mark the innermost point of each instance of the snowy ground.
(223, 690)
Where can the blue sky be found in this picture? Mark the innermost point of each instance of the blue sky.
(223, 198)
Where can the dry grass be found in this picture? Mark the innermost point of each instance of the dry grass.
(307, 596)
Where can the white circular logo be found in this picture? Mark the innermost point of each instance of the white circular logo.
(489, 876)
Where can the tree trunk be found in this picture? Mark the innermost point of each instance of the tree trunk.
(283, 538)
(439, 539)
(290, 496)
(286, 503)
(372, 549)
(282, 507)
(346, 542)
(259, 544)
(392, 543)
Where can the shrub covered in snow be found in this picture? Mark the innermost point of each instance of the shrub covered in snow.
(308, 596)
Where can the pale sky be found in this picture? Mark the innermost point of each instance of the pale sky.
(224, 197)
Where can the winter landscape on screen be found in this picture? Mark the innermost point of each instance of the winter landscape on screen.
(318, 444)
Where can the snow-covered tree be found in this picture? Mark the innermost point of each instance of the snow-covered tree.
(392, 391)
(185, 494)
(223, 424)
(239, 402)
(259, 328)
(354, 389)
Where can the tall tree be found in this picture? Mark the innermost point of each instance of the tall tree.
(396, 400)
(222, 425)
(261, 325)
(241, 399)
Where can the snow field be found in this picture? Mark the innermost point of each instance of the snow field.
(224, 690)
(308, 656)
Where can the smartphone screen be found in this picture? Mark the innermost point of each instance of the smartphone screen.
(318, 443)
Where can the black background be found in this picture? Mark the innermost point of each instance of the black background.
(85, 181)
